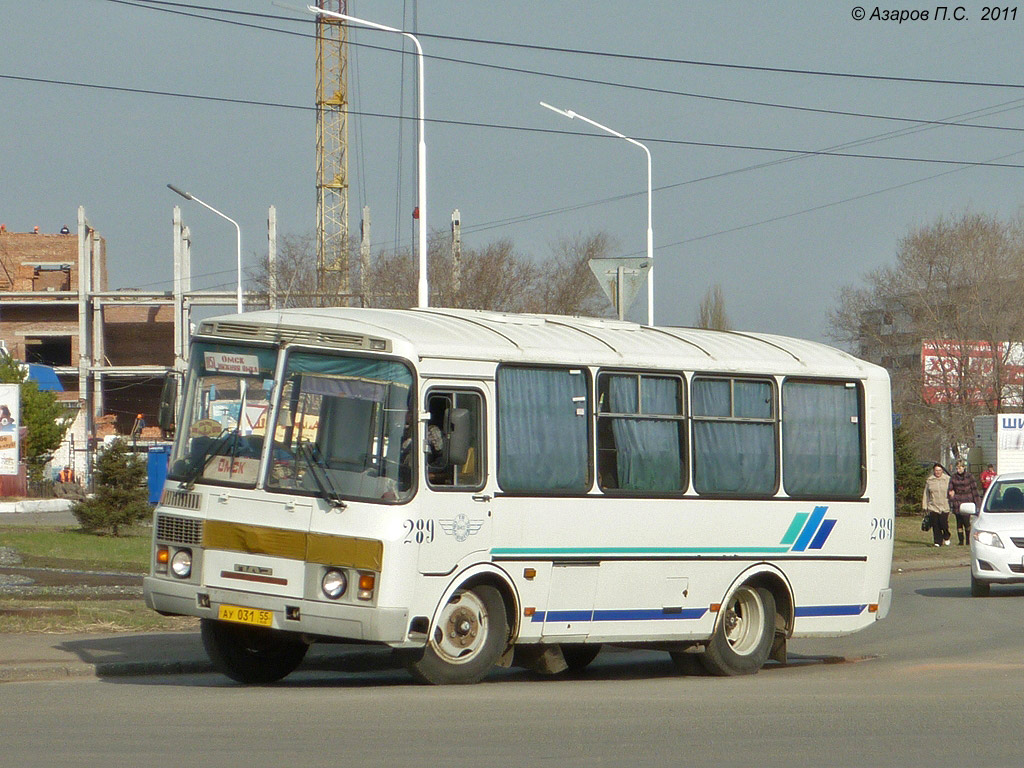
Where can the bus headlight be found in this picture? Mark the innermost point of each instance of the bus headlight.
(181, 563)
(334, 583)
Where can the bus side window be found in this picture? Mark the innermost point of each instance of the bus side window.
(440, 474)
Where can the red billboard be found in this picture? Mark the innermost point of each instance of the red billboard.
(965, 372)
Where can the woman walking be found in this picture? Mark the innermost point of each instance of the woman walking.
(935, 503)
(962, 489)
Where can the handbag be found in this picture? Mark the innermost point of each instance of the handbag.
(926, 522)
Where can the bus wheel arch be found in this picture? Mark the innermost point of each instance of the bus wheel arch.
(470, 632)
(753, 624)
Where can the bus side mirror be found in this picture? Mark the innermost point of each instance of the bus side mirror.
(457, 436)
(968, 508)
(168, 400)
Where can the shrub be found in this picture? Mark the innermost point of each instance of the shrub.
(121, 500)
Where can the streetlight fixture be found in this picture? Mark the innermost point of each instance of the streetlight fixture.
(650, 230)
(238, 230)
(423, 296)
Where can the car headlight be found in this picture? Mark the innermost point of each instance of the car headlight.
(988, 538)
(334, 583)
(181, 563)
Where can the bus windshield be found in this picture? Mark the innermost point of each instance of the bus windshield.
(343, 428)
(227, 398)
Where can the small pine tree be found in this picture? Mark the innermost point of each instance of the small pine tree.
(120, 499)
(910, 474)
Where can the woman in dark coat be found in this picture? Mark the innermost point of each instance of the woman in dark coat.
(962, 489)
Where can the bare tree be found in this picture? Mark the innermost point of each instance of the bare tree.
(494, 277)
(711, 313)
(566, 284)
(951, 302)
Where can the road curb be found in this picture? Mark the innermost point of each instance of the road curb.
(35, 505)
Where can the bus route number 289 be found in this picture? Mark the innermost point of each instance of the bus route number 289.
(419, 531)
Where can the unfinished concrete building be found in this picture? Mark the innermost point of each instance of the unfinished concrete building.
(111, 350)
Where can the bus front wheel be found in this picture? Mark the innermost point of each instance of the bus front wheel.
(468, 639)
(250, 654)
(743, 635)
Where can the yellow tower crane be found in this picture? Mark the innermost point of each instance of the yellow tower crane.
(332, 262)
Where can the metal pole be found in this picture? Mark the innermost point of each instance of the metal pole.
(650, 229)
(238, 231)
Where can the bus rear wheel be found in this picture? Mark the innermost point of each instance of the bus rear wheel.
(250, 654)
(468, 639)
(743, 635)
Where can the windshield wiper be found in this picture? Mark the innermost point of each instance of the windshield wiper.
(321, 477)
(212, 450)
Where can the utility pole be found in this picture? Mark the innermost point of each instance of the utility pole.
(456, 254)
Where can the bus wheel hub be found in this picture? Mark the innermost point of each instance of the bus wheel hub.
(462, 627)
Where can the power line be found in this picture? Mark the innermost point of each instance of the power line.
(154, 5)
(499, 126)
(560, 76)
(986, 111)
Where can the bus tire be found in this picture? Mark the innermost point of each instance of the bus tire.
(467, 640)
(579, 655)
(250, 654)
(743, 634)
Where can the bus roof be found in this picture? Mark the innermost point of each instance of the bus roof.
(504, 337)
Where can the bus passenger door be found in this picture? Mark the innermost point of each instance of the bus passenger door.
(455, 518)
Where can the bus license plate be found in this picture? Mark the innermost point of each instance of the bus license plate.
(242, 615)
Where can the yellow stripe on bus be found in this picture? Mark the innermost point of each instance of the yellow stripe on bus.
(320, 548)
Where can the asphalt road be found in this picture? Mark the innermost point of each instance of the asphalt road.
(938, 683)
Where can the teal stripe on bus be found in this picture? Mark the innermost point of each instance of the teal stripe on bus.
(637, 550)
(795, 527)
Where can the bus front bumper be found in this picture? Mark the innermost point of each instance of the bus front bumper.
(310, 617)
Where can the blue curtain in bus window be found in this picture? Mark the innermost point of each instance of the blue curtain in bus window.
(542, 430)
(821, 441)
(647, 451)
(733, 457)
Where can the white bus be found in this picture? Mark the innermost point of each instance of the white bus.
(476, 489)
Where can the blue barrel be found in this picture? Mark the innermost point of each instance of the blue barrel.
(158, 458)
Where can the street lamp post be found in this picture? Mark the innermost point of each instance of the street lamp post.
(423, 296)
(238, 230)
(650, 229)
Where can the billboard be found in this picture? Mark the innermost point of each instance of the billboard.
(964, 372)
(10, 395)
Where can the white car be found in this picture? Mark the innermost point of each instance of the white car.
(997, 535)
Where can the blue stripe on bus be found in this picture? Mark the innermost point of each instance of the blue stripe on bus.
(808, 611)
(823, 532)
(639, 614)
(687, 614)
(812, 526)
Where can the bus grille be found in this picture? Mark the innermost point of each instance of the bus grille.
(181, 500)
(179, 530)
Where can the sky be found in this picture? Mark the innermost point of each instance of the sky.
(793, 145)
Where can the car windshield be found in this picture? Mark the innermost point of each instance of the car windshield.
(224, 419)
(1006, 496)
(343, 429)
